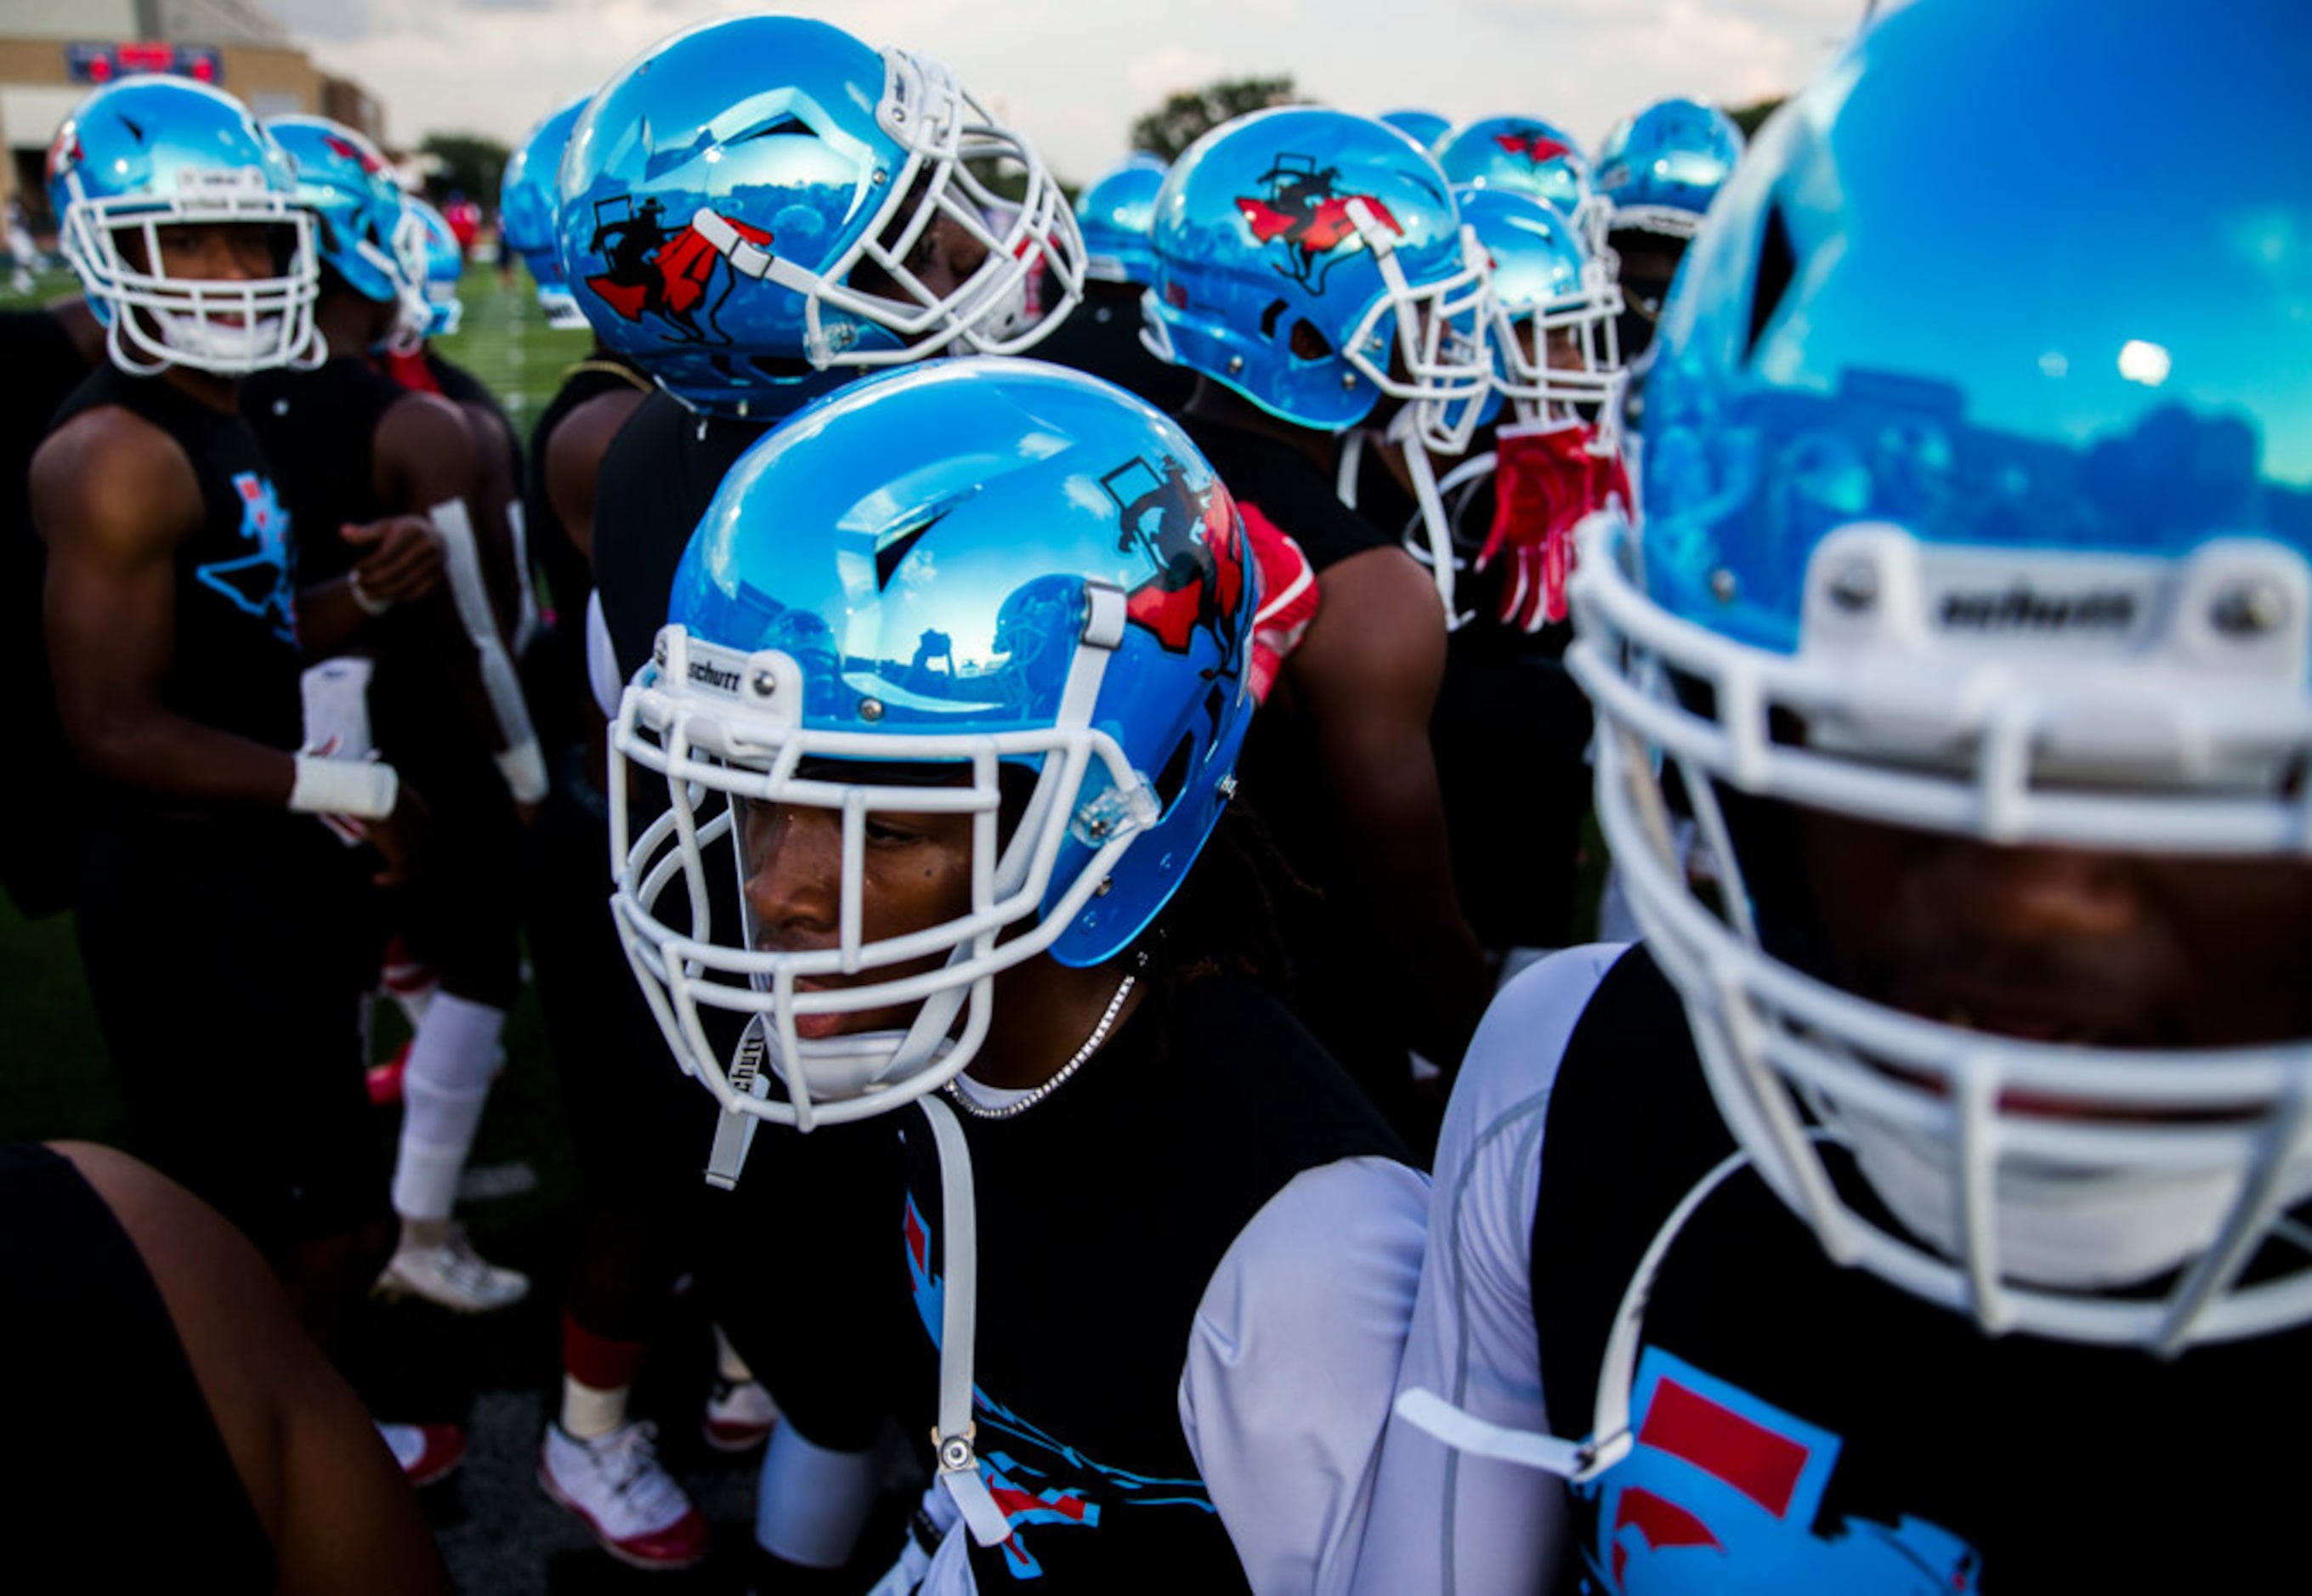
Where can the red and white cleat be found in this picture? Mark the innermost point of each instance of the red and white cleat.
(740, 1415)
(616, 1483)
(426, 1452)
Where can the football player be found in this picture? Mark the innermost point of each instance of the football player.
(1869, 1225)
(1311, 269)
(1657, 173)
(721, 241)
(175, 622)
(356, 446)
(963, 724)
(1102, 337)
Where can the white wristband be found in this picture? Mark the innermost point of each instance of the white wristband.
(523, 766)
(372, 607)
(360, 788)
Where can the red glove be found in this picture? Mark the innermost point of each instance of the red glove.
(1545, 482)
(1288, 597)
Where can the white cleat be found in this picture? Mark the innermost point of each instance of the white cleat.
(454, 1276)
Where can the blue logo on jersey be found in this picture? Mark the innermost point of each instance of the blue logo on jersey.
(1722, 1493)
(262, 584)
(1035, 1477)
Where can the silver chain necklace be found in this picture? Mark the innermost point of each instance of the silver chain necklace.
(1020, 1105)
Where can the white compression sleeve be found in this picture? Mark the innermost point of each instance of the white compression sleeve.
(524, 772)
(811, 1503)
(443, 1091)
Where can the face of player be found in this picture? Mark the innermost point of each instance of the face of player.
(1649, 265)
(206, 251)
(944, 256)
(915, 873)
(2100, 950)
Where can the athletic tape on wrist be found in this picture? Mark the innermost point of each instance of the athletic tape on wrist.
(523, 767)
(360, 788)
(368, 606)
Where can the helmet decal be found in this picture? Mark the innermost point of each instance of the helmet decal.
(1305, 210)
(1190, 539)
(650, 271)
(1536, 145)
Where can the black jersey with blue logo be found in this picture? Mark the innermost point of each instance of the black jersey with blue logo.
(1802, 1427)
(235, 663)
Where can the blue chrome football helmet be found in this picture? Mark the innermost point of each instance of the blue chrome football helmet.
(149, 152)
(445, 269)
(365, 233)
(1554, 304)
(2021, 556)
(1661, 169)
(1060, 590)
(1523, 155)
(1113, 215)
(527, 197)
(1425, 128)
(739, 209)
(1313, 261)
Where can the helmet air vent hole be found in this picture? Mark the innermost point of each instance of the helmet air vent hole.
(1268, 317)
(1175, 774)
(1309, 343)
(1777, 264)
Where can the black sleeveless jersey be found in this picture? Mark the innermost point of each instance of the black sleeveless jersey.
(40, 817)
(1102, 1213)
(568, 576)
(235, 664)
(97, 1358)
(319, 428)
(658, 477)
(1804, 1427)
(1102, 336)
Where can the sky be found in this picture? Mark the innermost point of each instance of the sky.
(1073, 75)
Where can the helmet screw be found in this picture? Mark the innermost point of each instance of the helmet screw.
(1096, 828)
(1226, 787)
(879, 177)
(1348, 380)
(1107, 885)
(766, 683)
(870, 709)
(1855, 587)
(1236, 364)
(1722, 585)
(955, 1454)
(2247, 611)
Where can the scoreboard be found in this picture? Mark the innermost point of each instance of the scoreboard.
(100, 64)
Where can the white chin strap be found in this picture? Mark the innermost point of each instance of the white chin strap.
(1610, 1439)
(954, 1439)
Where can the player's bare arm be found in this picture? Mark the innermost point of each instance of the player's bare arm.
(113, 496)
(336, 1510)
(1368, 671)
(573, 460)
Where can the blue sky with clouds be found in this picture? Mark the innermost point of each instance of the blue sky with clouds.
(1073, 75)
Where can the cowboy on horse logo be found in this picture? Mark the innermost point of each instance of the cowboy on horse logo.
(1190, 537)
(1305, 210)
(669, 275)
